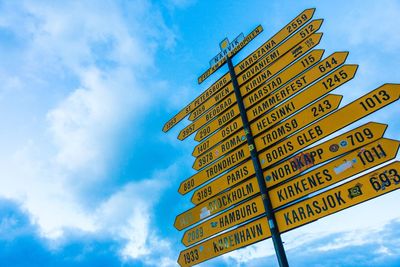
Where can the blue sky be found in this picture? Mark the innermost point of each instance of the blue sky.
(87, 177)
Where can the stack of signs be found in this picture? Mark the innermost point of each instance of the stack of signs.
(286, 87)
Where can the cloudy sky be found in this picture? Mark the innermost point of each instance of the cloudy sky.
(87, 177)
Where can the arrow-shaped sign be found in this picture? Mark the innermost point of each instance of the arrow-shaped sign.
(335, 171)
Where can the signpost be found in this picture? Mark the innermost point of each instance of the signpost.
(286, 108)
(317, 110)
(364, 188)
(234, 239)
(232, 159)
(337, 170)
(341, 76)
(269, 67)
(377, 99)
(325, 151)
(237, 215)
(231, 178)
(337, 146)
(256, 125)
(216, 204)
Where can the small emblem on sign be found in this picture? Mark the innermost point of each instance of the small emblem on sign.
(297, 51)
(201, 248)
(214, 224)
(268, 178)
(204, 213)
(224, 44)
(344, 166)
(243, 137)
(355, 191)
(343, 143)
(334, 148)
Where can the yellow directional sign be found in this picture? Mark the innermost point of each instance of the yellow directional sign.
(219, 150)
(239, 47)
(266, 89)
(271, 64)
(312, 113)
(218, 85)
(223, 146)
(237, 238)
(337, 146)
(283, 77)
(223, 119)
(219, 108)
(223, 133)
(356, 110)
(324, 67)
(285, 109)
(325, 85)
(374, 184)
(278, 38)
(216, 204)
(335, 171)
(230, 179)
(366, 187)
(232, 159)
(281, 58)
(275, 83)
(327, 150)
(237, 215)
(218, 97)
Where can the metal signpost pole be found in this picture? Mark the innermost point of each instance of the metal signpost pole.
(276, 237)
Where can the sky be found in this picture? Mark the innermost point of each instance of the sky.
(87, 177)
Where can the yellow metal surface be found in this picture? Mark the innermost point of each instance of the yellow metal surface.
(219, 108)
(295, 53)
(284, 109)
(283, 77)
(216, 204)
(364, 188)
(334, 147)
(269, 45)
(308, 115)
(219, 150)
(237, 238)
(299, 83)
(335, 171)
(276, 61)
(221, 134)
(232, 159)
(314, 112)
(269, 65)
(367, 104)
(325, 85)
(215, 122)
(222, 137)
(217, 98)
(230, 179)
(227, 219)
(275, 83)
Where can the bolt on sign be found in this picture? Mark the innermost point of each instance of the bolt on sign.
(258, 172)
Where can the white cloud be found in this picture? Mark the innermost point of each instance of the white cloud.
(127, 215)
(87, 62)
